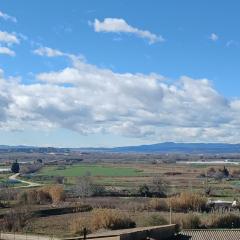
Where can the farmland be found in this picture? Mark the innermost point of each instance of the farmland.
(92, 170)
(180, 177)
(124, 183)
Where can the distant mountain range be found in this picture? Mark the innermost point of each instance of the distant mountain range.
(167, 147)
(171, 147)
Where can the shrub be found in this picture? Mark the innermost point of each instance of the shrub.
(78, 225)
(159, 187)
(59, 180)
(50, 194)
(191, 221)
(16, 219)
(144, 191)
(187, 221)
(34, 197)
(31, 168)
(227, 221)
(102, 219)
(158, 204)
(111, 219)
(188, 201)
(43, 197)
(56, 193)
(155, 220)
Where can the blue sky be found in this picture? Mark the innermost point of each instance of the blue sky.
(109, 73)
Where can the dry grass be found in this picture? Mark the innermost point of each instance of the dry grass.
(102, 219)
(158, 204)
(188, 221)
(48, 194)
(188, 202)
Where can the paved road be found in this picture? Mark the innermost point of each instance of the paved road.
(29, 184)
(9, 236)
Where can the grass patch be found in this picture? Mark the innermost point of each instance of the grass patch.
(93, 170)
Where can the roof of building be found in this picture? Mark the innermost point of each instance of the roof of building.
(210, 234)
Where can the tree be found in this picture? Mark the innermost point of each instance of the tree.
(159, 187)
(144, 191)
(84, 187)
(225, 172)
(39, 160)
(15, 168)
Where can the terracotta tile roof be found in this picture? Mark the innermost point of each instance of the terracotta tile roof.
(210, 234)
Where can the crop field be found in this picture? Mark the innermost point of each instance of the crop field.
(91, 170)
(179, 177)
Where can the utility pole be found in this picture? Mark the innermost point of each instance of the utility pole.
(170, 212)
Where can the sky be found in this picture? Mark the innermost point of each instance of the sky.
(115, 73)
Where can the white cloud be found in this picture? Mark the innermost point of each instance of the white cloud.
(7, 51)
(119, 25)
(7, 17)
(49, 52)
(88, 99)
(8, 38)
(214, 37)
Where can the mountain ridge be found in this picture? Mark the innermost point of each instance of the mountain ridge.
(165, 147)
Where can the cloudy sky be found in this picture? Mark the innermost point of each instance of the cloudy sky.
(110, 73)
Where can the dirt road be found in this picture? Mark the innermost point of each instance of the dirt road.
(29, 184)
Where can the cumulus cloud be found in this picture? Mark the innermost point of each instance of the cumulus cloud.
(7, 17)
(119, 25)
(8, 38)
(88, 99)
(214, 37)
(7, 51)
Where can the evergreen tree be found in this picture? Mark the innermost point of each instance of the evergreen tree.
(15, 168)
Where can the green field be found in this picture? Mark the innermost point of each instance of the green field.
(92, 170)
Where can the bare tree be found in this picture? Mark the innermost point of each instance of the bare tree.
(86, 188)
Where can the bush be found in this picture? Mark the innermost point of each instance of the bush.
(56, 193)
(158, 204)
(144, 191)
(187, 221)
(191, 221)
(188, 202)
(31, 168)
(78, 225)
(34, 197)
(111, 219)
(227, 221)
(51, 194)
(155, 220)
(16, 219)
(102, 219)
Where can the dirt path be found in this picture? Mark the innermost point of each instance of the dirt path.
(29, 184)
